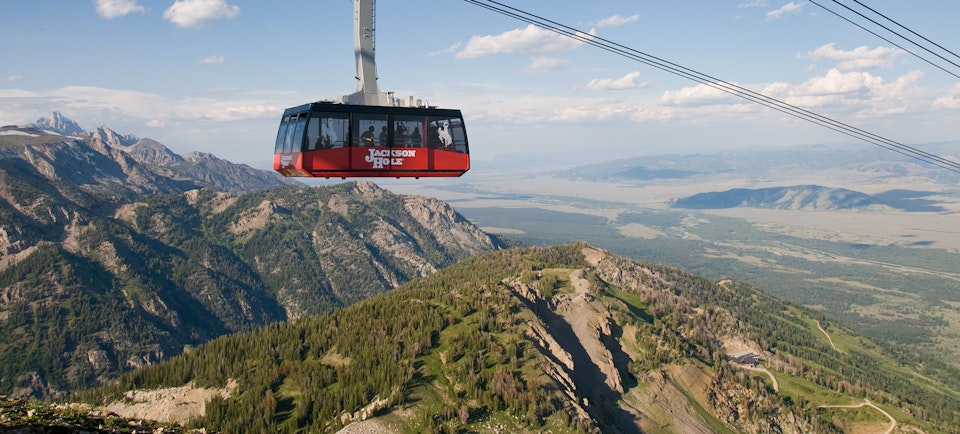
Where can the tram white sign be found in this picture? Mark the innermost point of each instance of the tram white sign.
(391, 157)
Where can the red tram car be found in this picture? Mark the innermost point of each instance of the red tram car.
(332, 140)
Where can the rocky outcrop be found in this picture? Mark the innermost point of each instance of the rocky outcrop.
(113, 139)
(579, 338)
(451, 228)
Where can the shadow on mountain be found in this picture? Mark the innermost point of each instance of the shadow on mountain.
(645, 174)
(910, 200)
(810, 197)
(589, 380)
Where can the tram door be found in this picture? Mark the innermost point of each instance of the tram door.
(409, 140)
(388, 143)
(325, 145)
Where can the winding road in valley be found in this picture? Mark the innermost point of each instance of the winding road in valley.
(893, 422)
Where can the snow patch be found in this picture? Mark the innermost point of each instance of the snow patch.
(17, 133)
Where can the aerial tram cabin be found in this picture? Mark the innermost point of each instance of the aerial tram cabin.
(370, 133)
(333, 140)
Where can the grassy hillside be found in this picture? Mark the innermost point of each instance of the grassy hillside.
(565, 339)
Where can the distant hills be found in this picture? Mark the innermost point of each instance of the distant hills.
(808, 198)
(116, 252)
(802, 197)
(771, 164)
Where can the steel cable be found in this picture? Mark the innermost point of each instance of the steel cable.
(889, 41)
(718, 84)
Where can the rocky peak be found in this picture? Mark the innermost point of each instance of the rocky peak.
(112, 138)
(152, 152)
(366, 188)
(60, 124)
(199, 157)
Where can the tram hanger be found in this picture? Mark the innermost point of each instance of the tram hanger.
(370, 133)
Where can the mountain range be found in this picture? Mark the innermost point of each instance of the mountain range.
(199, 292)
(116, 252)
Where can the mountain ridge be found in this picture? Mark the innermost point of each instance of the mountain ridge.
(562, 339)
(116, 252)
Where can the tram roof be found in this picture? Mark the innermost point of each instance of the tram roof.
(331, 107)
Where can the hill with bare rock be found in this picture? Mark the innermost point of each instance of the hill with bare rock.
(116, 252)
(560, 339)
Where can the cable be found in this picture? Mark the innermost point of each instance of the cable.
(725, 86)
(889, 41)
(905, 28)
(718, 84)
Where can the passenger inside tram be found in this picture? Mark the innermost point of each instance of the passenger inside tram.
(415, 138)
(383, 136)
(366, 138)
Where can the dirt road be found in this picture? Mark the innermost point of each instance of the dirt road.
(893, 422)
(828, 337)
(776, 385)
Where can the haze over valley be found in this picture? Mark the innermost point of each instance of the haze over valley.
(854, 231)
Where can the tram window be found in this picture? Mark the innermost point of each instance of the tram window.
(408, 131)
(281, 136)
(447, 134)
(294, 139)
(313, 134)
(370, 130)
(327, 130)
(334, 130)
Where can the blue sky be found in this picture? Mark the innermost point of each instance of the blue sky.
(214, 75)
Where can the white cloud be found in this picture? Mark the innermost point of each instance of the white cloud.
(859, 93)
(617, 20)
(101, 105)
(859, 58)
(449, 50)
(214, 60)
(787, 9)
(836, 82)
(753, 4)
(11, 78)
(950, 100)
(699, 95)
(628, 81)
(536, 110)
(194, 13)
(541, 65)
(248, 117)
(531, 40)
(117, 8)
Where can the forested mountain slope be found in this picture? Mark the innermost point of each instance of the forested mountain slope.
(561, 339)
(116, 252)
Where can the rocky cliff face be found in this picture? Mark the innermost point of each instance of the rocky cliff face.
(592, 348)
